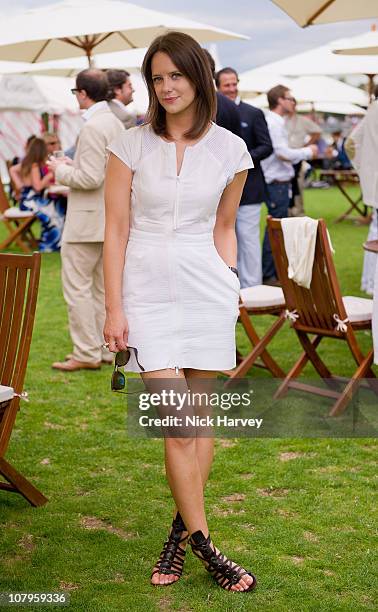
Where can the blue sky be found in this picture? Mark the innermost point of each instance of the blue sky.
(273, 34)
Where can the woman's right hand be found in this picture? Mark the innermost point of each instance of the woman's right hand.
(116, 331)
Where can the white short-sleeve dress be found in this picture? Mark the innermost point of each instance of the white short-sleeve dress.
(179, 296)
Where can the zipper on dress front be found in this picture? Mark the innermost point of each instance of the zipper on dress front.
(175, 208)
(175, 224)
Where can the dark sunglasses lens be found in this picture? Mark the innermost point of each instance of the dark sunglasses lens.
(118, 381)
(122, 358)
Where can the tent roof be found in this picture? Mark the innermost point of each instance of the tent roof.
(37, 93)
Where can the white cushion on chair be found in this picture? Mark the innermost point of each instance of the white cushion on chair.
(262, 296)
(358, 309)
(15, 212)
(6, 393)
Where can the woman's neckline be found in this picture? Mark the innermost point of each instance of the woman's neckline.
(190, 146)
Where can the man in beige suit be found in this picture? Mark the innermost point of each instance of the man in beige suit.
(83, 234)
(120, 95)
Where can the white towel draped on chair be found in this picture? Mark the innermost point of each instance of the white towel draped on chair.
(300, 238)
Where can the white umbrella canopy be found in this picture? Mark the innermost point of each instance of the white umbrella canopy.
(321, 60)
(255, 82)
(305, 89)
(334, 108)
(314, 12)
(74, 27)
(326, 89)
(365, 44)
(130, 60)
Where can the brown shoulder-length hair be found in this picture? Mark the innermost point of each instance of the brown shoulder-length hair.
(191, 60)
(36, 154)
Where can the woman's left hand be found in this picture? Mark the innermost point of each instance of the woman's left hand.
(116, 331)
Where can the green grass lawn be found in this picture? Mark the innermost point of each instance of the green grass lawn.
(298, 512)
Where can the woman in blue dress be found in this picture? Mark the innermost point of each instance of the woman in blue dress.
(49, 211)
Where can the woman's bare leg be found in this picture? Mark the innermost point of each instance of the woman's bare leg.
(204, 445)
(181, 464)
(185, 477)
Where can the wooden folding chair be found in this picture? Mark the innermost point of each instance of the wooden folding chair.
(18, 225)
(14, 193)
(259, 300)
(19, 279)
(322, 311)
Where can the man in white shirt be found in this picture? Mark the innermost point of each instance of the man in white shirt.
(302, 132)
(278, 167)
(120, 96)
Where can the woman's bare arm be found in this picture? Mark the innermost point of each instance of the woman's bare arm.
(36, 182)
(224, 230)
(117, 214)
(15, 174)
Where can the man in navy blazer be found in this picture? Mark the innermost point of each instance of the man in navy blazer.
(254, 131)
(227, 113)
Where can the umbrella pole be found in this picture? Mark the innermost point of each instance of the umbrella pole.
(88, 53)
(371, 87)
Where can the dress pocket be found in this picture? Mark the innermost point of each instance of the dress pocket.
(229, 276)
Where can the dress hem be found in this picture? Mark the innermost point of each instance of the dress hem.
(219, 368)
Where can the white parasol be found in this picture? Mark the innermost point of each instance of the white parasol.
(365, 44)
(75, 27)
(314, 12)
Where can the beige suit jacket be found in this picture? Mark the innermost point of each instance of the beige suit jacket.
(121, 112)
(85, 220)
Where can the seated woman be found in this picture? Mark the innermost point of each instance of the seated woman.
(14, 170)
(35, 179)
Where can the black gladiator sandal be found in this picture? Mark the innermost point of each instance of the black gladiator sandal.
(172, 557)
(224, 571)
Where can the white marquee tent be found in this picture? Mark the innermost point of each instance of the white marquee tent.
(37, 93)
(23, 99)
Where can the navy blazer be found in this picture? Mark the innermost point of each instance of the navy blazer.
(227, 114)
(255, 133)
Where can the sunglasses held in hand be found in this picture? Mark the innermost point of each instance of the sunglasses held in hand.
(122, 358)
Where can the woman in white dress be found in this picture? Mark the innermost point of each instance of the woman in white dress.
(173, 187)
